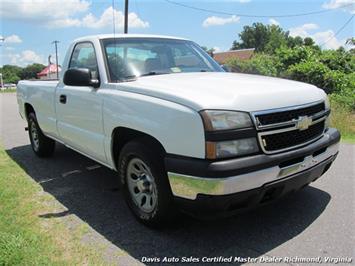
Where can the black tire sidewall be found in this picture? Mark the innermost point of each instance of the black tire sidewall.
(46, 145)
(162, 211)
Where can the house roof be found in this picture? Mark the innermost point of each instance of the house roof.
(242, 54)
(52, 68)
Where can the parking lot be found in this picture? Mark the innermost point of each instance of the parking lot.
(316, 222)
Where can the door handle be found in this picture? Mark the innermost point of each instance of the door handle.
(63, 99)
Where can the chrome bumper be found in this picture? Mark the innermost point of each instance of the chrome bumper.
(189, 187)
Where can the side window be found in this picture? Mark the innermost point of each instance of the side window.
(185, 58)
(84, 57)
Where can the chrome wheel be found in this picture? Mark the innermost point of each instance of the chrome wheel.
(34, 135)
(141, 185)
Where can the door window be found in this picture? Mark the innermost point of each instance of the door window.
(84, 57)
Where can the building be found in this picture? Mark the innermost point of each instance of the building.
(49, 72)
(242, 54)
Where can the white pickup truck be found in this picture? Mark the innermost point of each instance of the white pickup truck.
(178, 129)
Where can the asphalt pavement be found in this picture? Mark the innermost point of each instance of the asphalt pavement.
(315, 222)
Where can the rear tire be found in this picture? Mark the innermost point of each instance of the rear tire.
(41, 145)
(145, 184)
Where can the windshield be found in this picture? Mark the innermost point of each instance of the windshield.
(137, 57)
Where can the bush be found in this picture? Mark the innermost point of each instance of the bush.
(261, 64)
(310, 71)
(338, 60)
(292, 56)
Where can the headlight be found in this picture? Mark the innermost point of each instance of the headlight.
(231, 148)
(223, 120)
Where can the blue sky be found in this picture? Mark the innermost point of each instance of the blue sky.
(29, 26)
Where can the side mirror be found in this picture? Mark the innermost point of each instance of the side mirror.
(226, 68)
(80, 77)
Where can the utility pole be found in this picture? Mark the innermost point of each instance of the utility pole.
(126, 17)
(1, 82)
(56, 57)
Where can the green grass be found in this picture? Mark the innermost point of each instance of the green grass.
(27, 239)
(343, 119)
(8, 91)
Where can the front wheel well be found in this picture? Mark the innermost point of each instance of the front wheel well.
(29, 109)
(122, 135)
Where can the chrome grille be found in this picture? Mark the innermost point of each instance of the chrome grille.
(287, 128)
(279, 141)
(284, 116)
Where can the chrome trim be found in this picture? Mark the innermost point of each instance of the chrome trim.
(271, 132)
(282, 109)
(290, 122)
(290, 125)
(189, 187)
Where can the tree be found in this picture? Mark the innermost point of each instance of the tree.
(255, 36)
(210, 51)
(30, 72)
(294, 41)
(308, 41)
(264, 38)
(11, 74)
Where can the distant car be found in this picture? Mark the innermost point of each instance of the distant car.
(177, 128)
(9, 85)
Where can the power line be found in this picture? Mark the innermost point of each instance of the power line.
(252, 16)
(338, 31)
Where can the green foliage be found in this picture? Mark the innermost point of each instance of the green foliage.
(12, 74)
(264, 38)
(262, 64)
(268, 38)
(30, 72)
(278, 54)
(291, 56)
(346, 95)
(309, 71)
(338, 60)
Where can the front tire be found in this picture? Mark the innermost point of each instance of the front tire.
(41, 145)
(145, 184)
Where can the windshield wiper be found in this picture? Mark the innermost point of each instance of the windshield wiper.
(152, 73)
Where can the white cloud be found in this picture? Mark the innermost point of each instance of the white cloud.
(23, 58)
(348, 5)
(303, 30)
(321, 37)
(105, 20)
(219, 21)
(274, 22)
(64, 13)
(217, 49)
(42, 10)
(327, 38)
(12, 39)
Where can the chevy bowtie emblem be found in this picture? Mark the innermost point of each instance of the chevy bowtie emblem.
(303, 122)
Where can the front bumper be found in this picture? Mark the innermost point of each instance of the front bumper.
(194, 178)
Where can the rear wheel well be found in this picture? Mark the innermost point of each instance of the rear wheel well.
(122, 135)
(29, 109)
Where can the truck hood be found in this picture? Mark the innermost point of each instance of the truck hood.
(229, 91)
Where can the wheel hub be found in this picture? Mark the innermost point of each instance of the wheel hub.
(144, 183)
(141, 185)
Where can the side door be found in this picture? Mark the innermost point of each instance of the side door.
(79, 108)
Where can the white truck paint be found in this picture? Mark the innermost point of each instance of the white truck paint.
(164, 107)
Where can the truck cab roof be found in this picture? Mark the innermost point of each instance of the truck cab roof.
(125, 36)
